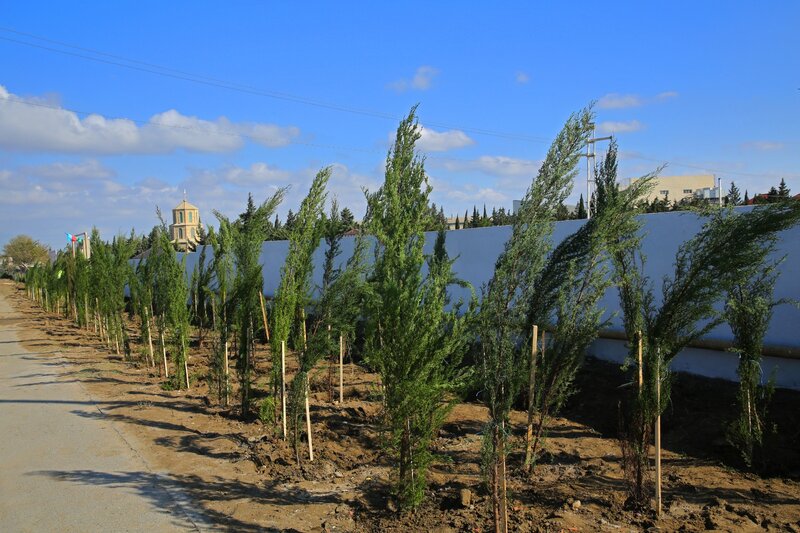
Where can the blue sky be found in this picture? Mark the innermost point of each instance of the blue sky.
(702, 86)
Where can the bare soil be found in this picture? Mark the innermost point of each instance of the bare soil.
(243, 476)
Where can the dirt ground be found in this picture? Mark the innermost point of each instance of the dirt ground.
(243, 476)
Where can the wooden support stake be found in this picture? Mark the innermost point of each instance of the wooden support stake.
(283, 387)
(341, 369)
(264, 314)
(164, 353)
(503, 486)
(149, 338)
(186, 368)
(227, 370)
(531, 403)
(639, 353)
(305, 335)
(330, 369)
(658, 436)
(308, 424)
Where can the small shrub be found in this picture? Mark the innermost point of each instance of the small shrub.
(266, 412)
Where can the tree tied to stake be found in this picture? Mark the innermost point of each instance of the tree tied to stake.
(413, 342)
(502, 314)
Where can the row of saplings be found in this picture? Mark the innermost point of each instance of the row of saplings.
(415, 337)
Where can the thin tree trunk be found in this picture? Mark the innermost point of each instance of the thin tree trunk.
(227, 371)
(496, 507)
(658, 435)
(503, 488)
(531, 399)
(330, 369)
(283, 387)
(341, 369)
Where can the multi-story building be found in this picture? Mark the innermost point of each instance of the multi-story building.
(677, 188)
(185, 228)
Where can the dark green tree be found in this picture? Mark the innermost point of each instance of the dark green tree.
(248, 234)
(734, 196)
(475, 222)
(411, 340)
(294, 291)
(348, 220)
(706, 267)
(783, 190)
(502, 361)
(748, 312)
(580, 214)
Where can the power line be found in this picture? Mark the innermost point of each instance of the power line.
(152, 68)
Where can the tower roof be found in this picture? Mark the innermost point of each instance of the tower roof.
(185, 205)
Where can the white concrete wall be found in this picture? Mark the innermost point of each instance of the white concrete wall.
(477, 250)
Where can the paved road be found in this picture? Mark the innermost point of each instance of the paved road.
(63, 466)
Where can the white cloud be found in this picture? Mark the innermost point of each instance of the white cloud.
(763, 146)
(610, 126)
(435, 141)
(492, 165)
(30, 124)
(46, 205)
(255, 174)
(421, 81)
(619, 101)
(87, 169)
(522, 77)
(455, 196)
(624, 101)
(666, 95)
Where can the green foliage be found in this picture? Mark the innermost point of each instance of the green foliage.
(734, 196)
(266, 411)
(502, 360)
(25, 251)
(748, 311)
(201, 294)
(706, 268)
(222, 244)
(411, 340)
(171, 302)
(566, 293)
(580, 213)
(247, 235)
(293, 296)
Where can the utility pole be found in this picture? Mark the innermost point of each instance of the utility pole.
(590, 155)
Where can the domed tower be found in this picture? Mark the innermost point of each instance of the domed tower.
(185, 227)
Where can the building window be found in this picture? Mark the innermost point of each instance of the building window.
(687, 191)
(663, 193)
(180, 233)
(190, 216)
(180, 216)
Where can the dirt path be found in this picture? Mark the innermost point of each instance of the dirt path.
(63, 465)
